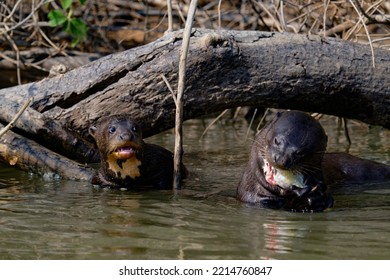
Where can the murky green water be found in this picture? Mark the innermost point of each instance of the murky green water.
(71, 220)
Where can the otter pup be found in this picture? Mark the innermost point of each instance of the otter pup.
(288, 167)
(126, 160)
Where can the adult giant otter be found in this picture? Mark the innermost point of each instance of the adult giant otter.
(288, 167)
(126, 160)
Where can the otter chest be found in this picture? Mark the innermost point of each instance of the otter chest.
(125, 168)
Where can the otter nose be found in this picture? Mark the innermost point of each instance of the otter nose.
(126, 136)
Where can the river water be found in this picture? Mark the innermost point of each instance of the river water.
(57, 219)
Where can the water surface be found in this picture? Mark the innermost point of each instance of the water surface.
(57, 219)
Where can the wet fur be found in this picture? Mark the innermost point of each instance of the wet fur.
(152, 165)
(295, 141)
(292, 149)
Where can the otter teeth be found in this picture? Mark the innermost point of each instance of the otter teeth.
(124, 153)
(124, 149)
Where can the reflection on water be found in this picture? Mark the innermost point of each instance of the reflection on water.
(71, 220)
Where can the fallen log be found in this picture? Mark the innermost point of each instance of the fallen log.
(27, 155)
(50, 133)
(225, 69)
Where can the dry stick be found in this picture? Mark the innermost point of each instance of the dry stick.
(219, 14)
(180, 13)
(40, 4)
(326, 4)
(339, 28)
(367, 32)
(180, 90)
(17, 116)
(213, 122)
(13, 11)
(282, 16)
(382, 19)
(170, 18)
(262, 120)
(277, 24)
(170, 88)
(346, 132)
(16, 49)
(250, 124)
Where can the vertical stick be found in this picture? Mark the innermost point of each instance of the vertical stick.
(219, 15)
(180, 90)
(170, 17)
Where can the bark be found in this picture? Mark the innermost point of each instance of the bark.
(225, 69)
(38, 63)
(49, 132)
(29, 156)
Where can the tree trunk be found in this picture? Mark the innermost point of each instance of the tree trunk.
(225, 69)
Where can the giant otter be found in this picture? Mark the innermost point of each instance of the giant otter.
(288, 167)
(126, 160)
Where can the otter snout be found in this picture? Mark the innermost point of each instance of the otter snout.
(283, 161)
(126, 136)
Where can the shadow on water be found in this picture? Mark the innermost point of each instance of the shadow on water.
(58, 219)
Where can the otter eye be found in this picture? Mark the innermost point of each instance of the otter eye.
(276, 141)
(112, 129)
(134, 129)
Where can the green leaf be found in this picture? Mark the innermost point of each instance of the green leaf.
(66, 4)
(74, 42)
(82, 2)
(77, 28)
(56, 18)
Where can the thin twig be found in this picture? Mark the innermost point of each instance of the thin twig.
(17, 54)
(368, 33)
(17, 116)
(180, 13)
(250, 124)
(283, 22)
(40, 4)
(178, 154)
(219, 14)
(170, 17)
(180, 90)
(326, 6)
(262, 120)
(13, 11)
(213, 122)
(346, 132)
(170, 88)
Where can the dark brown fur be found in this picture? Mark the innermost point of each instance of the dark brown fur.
(151, 165)
(346, 168)
(295, 141)
(291, 141)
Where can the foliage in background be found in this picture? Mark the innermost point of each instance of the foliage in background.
(116, 25)
(74, 26)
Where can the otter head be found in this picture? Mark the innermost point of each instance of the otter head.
(119, 141)
(295, 144)
(117, 137)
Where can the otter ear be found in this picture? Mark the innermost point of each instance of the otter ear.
(92, 130)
